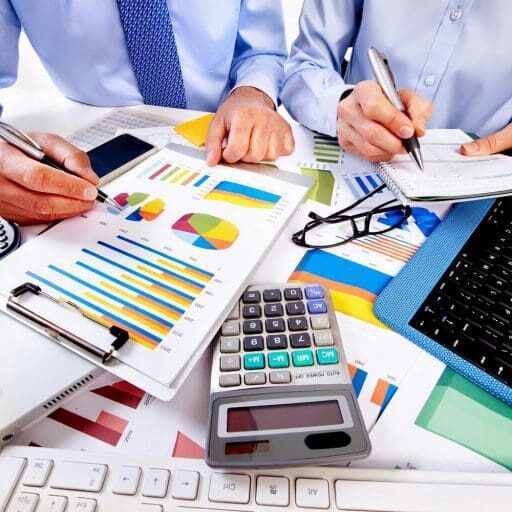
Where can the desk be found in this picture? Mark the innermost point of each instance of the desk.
(178, 428)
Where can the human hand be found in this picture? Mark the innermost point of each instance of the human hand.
(254, 130)
(369, 126)
(31, 193)
(494, 143)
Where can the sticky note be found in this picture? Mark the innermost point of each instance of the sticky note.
(196, 130)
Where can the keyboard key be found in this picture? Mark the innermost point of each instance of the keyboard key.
(272, 295)
(228, 488)
(150, 507)
(302, 358)
(273, 491)
(276, 341)
(229, 380)
(253, 327)
(278, 360)
(79, 476)
(295, 308)
(312, 493)
(229, 363)
(273, 309)
(254, 361)
(185, 485)
(251, 311)
(300, 340)
(314, 292)
(316, 307)
(320, 322)
(275, 325)
(229, 345)
(156, 483)
(323, 338)
(280, 377)
(23, 502)
(251, 297)
(252, 343)
(53, 504)
(292, 294)
(82, 505)
(37, 472)
(255, 378)
(230, 328)
(235, 312)
(327, 355)
(10, 469)
(127, 480)
(299, 323)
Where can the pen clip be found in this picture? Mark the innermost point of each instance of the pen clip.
(22, 135)
(121, 336)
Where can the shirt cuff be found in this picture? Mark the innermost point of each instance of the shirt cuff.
(258, 80)
(329, 105)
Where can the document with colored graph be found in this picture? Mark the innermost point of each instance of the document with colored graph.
(167, 269)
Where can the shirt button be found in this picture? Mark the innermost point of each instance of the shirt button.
(429, 80)
(455, 14)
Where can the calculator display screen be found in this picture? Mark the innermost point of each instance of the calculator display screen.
(283, 416)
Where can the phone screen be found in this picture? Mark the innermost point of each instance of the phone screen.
(117, 152)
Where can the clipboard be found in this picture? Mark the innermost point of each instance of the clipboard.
(62, 317)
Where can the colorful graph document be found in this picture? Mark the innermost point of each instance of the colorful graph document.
(167, 269)
(439, 420)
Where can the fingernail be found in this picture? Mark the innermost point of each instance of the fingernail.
(422, 124)
(471, 147)
(90, 194)
(406, 132)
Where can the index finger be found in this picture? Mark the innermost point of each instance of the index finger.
(377, 107)
(67, 155)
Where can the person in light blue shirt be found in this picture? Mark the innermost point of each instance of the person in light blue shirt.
(231, 56)
(451, 57)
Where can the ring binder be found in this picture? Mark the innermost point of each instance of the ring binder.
(57, 333)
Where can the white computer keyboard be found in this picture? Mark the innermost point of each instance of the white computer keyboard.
(41, 479)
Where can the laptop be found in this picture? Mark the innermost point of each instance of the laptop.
(36, 376)
(454, 297)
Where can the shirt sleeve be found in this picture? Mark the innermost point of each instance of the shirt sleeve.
(260, 50)
(9, 36)
(313, 83)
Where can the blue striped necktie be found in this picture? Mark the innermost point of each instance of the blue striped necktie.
(152, 48)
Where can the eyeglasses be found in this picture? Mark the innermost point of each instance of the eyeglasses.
(359, 224)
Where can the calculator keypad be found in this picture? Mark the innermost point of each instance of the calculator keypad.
(277, 331)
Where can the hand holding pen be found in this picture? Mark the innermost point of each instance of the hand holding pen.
(370, 126)
(45, 180)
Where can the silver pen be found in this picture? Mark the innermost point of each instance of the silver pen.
(385, 79)
(31, 148)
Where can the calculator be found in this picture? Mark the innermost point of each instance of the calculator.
(10, 237)
(281, 393)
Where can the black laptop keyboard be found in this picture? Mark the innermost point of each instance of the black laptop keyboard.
(469, 311)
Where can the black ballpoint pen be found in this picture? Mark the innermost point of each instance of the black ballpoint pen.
(384, 77)
(31, 148)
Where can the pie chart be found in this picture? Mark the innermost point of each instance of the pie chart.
(205, 231)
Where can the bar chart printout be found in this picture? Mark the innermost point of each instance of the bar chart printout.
(174, 174)
(129, 284)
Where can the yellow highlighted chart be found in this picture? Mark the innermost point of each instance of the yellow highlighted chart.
(242, 195)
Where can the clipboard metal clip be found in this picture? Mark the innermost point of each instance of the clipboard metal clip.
(121, 336)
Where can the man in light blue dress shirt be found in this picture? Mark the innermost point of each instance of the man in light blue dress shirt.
(231, 55)
(451, 57)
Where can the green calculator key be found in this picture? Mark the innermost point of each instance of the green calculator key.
(278, 360)
(327, 355)
(302, 358)
(254, 361)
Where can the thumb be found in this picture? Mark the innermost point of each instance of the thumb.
(213, 144)
(418, 108)
(489, 145)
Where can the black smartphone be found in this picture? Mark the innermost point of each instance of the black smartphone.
(118, 155)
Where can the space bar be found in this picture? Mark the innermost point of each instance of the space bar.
(420, 497)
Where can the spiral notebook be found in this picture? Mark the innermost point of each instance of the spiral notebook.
(448, 175)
